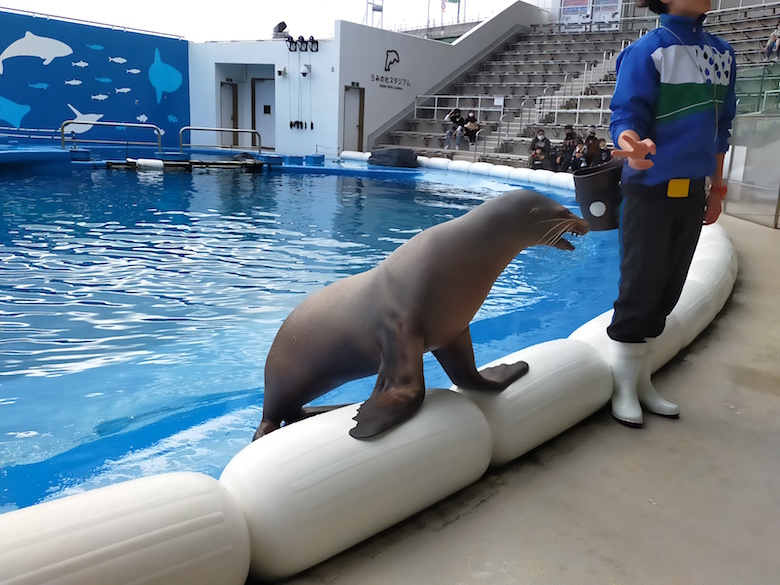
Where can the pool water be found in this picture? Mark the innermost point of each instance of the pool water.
(137, 309)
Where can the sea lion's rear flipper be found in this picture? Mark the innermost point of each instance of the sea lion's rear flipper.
(399, 390)
(308, 411)
(457, 359)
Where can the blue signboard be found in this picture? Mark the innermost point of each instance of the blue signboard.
(53, 70)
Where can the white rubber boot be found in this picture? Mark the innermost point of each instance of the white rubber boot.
(626, 361)
(648, 396)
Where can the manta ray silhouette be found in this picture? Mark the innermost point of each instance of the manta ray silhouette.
(163, 77)
(12, 112)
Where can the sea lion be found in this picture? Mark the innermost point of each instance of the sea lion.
(421, 298)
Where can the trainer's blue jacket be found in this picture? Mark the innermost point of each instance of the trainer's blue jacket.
(679, 95)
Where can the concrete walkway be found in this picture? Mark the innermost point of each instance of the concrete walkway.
(689, 501)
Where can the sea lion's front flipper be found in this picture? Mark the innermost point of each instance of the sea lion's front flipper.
(399, 390)
(457, 359)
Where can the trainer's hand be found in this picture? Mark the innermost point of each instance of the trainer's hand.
(635, 151)
(714, 204)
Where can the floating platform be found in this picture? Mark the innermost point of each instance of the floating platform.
(153, 164)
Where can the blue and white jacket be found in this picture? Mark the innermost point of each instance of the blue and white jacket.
(679, 95)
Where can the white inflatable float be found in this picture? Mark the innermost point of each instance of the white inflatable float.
(309, 491)
(170, 529)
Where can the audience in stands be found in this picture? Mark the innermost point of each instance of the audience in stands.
(578, 160)
(564, 152)
(471, 127)
(773, 44)
(456, 127)
(571, 154)
(539, 144)
(592, 150)
(539, 160)
(605, 154)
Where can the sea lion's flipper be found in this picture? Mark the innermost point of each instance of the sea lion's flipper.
(308, 411)
(399, 390)
(457, 359)
(505, 374)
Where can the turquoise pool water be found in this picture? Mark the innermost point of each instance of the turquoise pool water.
(137, 309)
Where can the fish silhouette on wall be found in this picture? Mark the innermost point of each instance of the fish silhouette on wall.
(163, 77)
(12, 112)
(31, 45)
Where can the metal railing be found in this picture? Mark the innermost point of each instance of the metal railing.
(203, 128)
(478, 103)
(157, 129)
(573, 104)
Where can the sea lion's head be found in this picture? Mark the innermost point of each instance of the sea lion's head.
(554, 221)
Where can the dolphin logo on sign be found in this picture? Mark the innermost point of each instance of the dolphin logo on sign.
(391, 57)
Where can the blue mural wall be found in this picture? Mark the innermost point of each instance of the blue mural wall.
(52, 71)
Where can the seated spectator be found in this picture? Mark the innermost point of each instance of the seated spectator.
(538, 160)
(578, 160)
(591, 147)
(471, 127)
(605, 154)
(540, 142)
(773, 44)
(456, 128)
(564, 154)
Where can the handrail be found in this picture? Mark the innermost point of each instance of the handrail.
(437, 108)
(203, 128)
(114, 124)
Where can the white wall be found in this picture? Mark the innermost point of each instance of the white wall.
(357, 55)
(424, 66)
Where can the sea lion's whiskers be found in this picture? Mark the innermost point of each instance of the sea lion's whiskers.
(556, 232)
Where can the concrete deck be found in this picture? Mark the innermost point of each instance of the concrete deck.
(689, 501)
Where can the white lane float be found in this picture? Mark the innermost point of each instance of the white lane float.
(481, 168)
(309, 491)
(501, 171)
(169, 529)
(567, 381)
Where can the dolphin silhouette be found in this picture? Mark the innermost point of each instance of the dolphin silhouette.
(12, 112)
(391, 57)
(163, 77)
(31, 45)
(85, 119)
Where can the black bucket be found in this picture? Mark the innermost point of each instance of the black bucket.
(597, 190)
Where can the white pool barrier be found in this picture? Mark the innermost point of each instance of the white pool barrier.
(567, 382)
(171, 529)
(481, 168)
(310, 491)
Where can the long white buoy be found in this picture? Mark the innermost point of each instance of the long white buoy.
(567, 381)
(170, 529)
(310, 490)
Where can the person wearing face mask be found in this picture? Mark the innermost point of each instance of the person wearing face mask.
(539, 143)
(456, 127)
(471, 127)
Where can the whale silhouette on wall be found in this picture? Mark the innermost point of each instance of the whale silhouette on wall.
(31, 45)
(84, 119)
(163, 77)
(12, 112)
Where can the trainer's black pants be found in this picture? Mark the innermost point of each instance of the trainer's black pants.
(659, 229)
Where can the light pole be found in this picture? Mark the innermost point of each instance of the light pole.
(428, 22)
